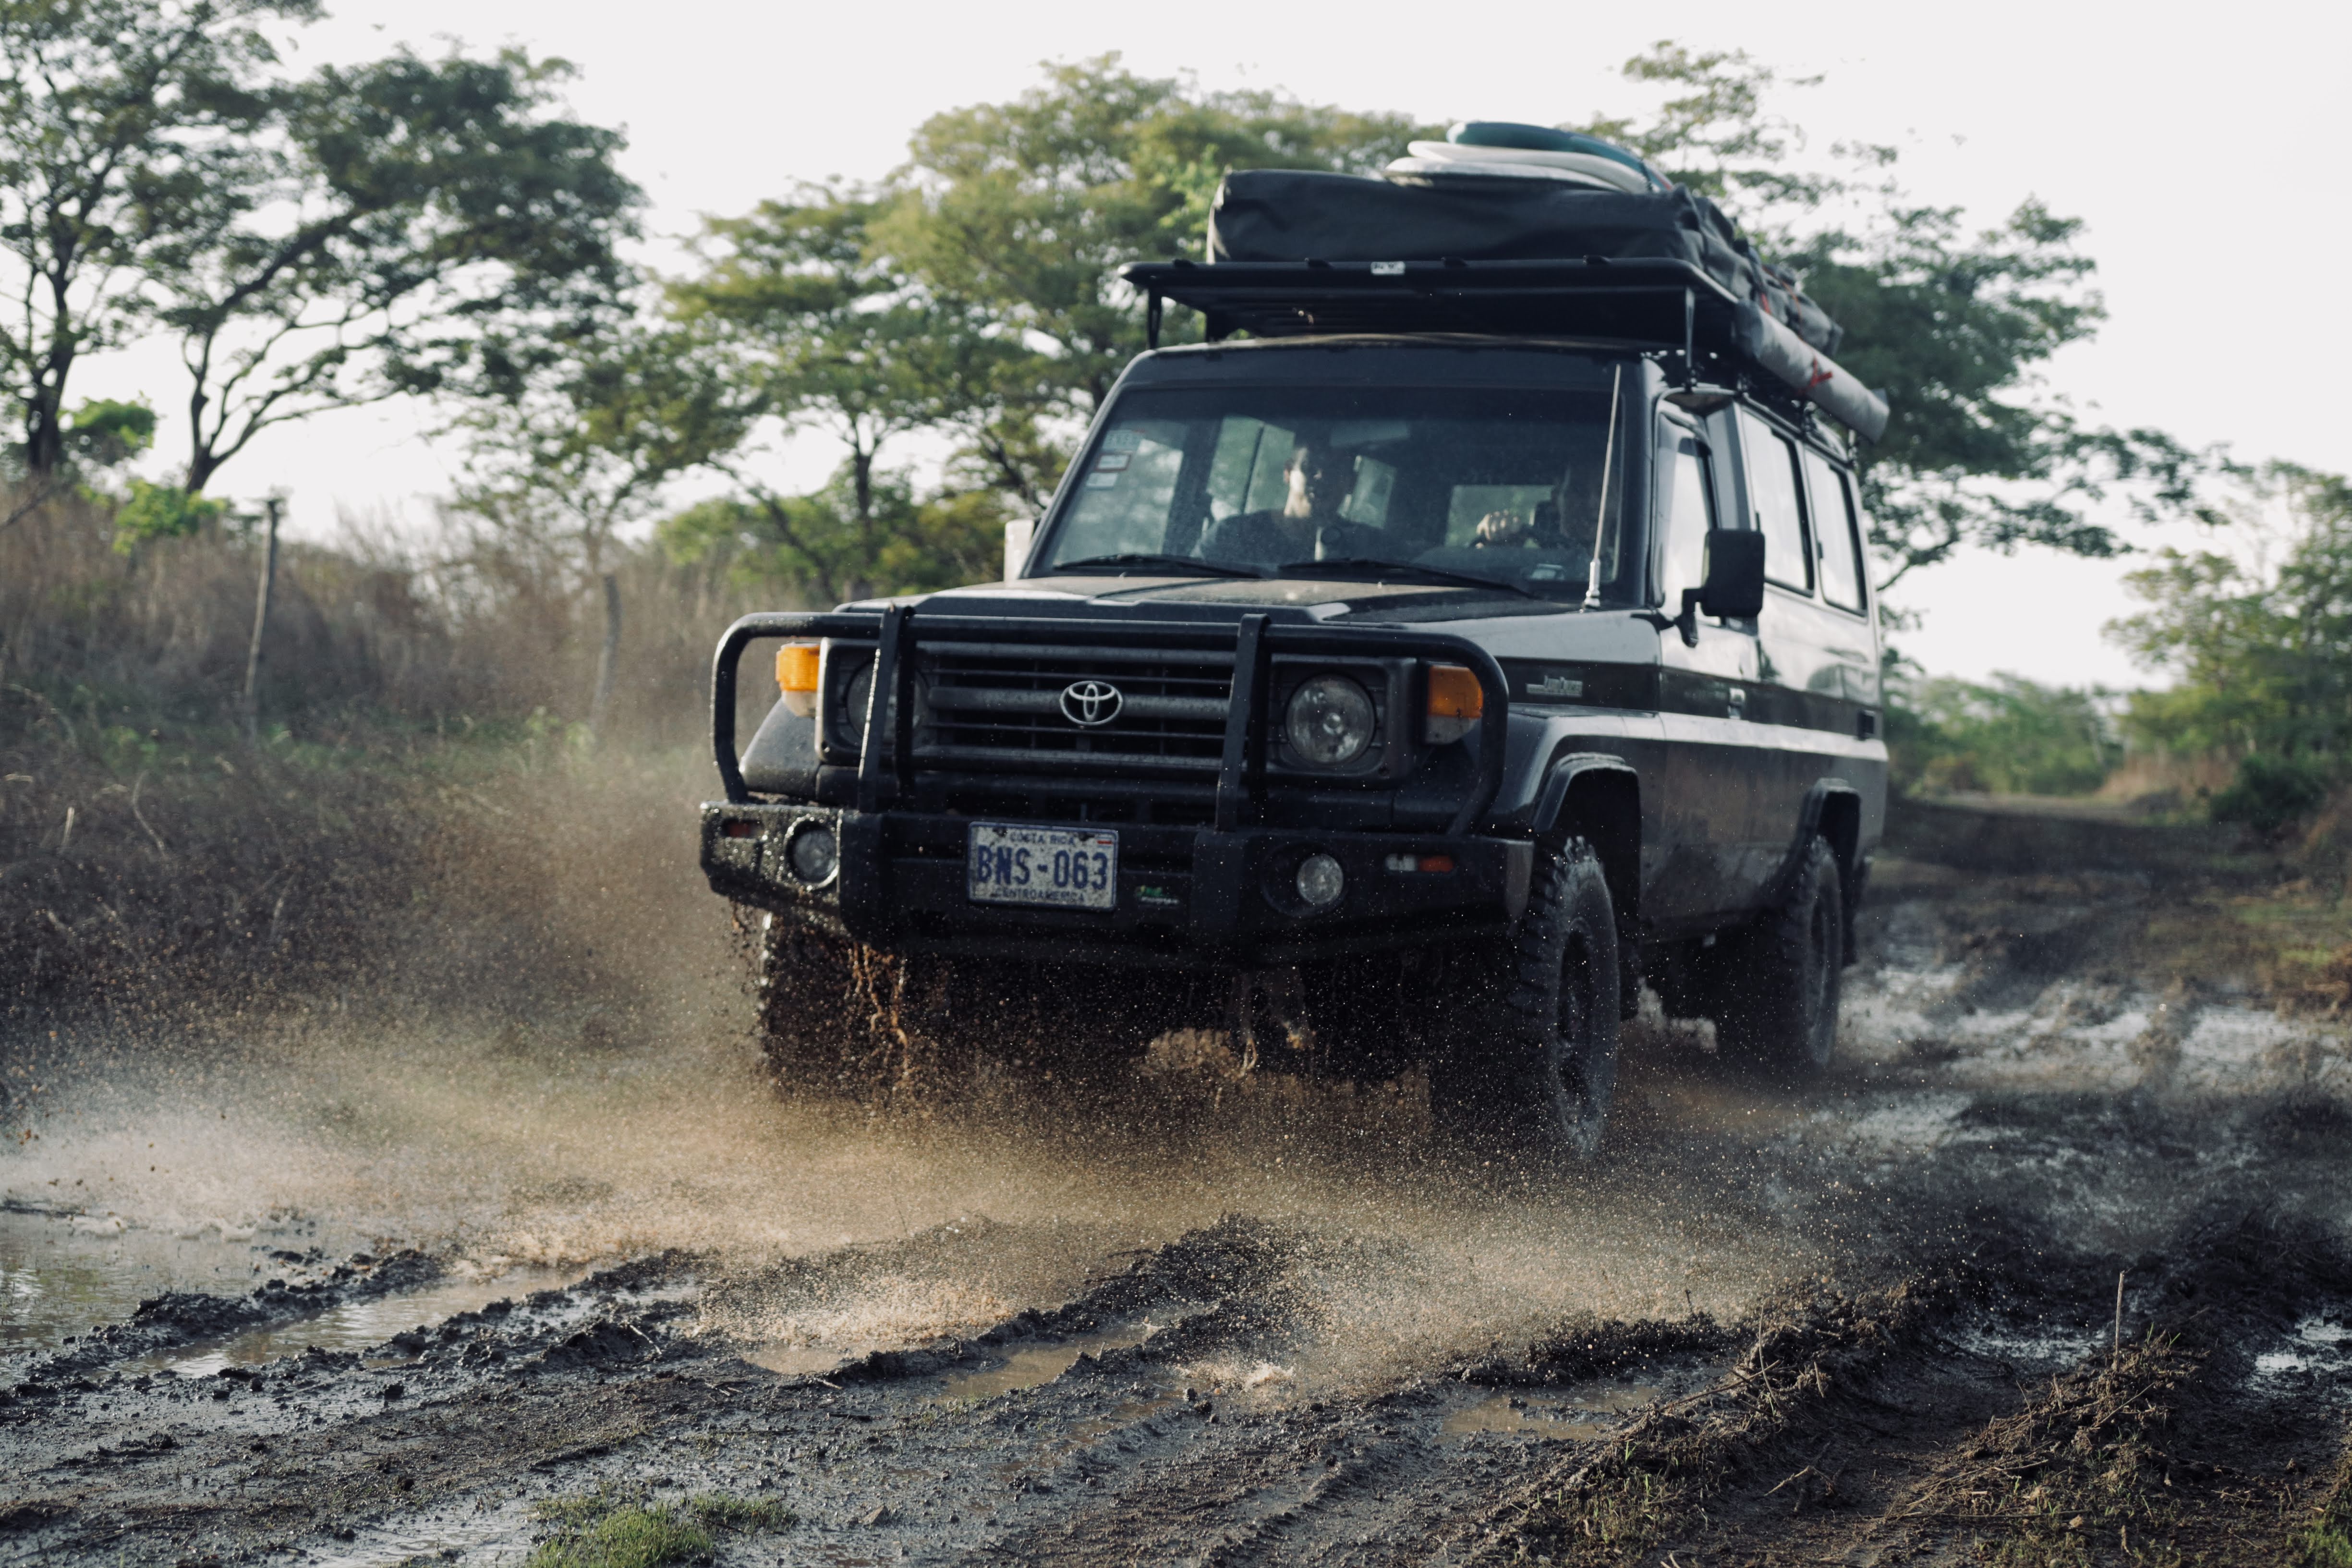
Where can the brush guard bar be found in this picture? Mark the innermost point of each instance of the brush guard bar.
(882, 780)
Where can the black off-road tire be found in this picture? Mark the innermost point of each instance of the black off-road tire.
(1778, 983)
(1536, 1062)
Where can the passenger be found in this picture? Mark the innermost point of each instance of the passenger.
(1319, 479)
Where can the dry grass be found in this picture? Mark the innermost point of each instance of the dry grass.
(422, 780)
(455, 630)
(1663, 1478)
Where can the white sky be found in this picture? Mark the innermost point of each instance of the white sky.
(2203, 147)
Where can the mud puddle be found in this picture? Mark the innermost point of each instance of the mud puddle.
(1028, 1366)
(1579, 1414)
(2317, 1355)
(64, 1271)
(364, 1327)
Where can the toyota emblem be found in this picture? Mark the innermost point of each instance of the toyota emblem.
(1090, 703)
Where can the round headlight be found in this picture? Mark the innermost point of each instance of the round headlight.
(1320, 881)
(1329, 722)
(814, 853)
(854, 695)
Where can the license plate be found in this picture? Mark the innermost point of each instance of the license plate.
(1058, 867)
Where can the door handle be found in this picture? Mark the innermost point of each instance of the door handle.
(1736, 699)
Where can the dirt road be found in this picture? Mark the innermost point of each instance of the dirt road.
(2052, 1268)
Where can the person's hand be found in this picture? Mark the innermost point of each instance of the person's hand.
(1504, 528)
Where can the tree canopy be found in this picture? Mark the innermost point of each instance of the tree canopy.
(1023, 213)
(444, 226)
(976, 294)
(2009, 735)
(2259, 643)
(1955, 323)
(311, 242)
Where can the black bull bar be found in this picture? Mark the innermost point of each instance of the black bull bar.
(883, 780)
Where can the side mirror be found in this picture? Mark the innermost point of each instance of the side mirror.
(1731, 581)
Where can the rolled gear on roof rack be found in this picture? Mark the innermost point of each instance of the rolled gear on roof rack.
(1294, 253)
(1286, 215)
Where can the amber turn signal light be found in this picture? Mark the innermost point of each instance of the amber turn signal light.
(1455, 700)
(796, 673)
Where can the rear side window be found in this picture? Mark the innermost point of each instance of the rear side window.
(1834, 520)
(1690, 512)
(1772, 490)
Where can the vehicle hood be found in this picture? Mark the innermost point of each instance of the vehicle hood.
(1178, 597)
(1508, 626)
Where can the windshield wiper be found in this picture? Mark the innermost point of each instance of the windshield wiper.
(1375, 563)
(1146, 558)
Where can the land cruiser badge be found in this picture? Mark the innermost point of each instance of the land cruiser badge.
(1090, 703)
(1555, 686)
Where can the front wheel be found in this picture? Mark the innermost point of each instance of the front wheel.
(1778, 1007)
(1536, 1059)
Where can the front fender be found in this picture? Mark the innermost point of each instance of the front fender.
(1534, 785)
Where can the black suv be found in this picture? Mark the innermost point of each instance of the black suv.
(1428, 686)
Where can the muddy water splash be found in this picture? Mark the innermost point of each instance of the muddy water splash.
(564, 1140)
(496, 1153)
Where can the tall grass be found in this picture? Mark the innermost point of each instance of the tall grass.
(423, 776)
(465, 624)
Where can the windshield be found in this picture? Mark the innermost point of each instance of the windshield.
(1509, 486)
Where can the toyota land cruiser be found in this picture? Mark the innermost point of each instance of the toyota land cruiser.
(1472, 641)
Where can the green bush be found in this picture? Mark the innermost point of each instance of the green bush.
(620, 1528)
(2011, 736)
(2273, 789)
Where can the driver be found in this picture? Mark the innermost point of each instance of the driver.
(1319, 479)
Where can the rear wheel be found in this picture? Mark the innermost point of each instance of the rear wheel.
(1534, 1059)
(1777, 1007)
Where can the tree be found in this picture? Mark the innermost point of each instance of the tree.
(798, 304)
(584, 446)
(911, 544)
(102, 435)
(312, 243)
(119, 122)
(2260, 649)
(2011, 735)
(1025, 211)
(412, 225)
(1954, 325)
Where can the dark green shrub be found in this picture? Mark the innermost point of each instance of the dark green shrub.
(2273, 789)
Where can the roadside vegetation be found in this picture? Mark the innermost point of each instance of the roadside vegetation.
(614, 1528)
(2008, 736)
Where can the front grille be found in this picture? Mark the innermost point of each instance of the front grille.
(986, 703)
(1193, 808)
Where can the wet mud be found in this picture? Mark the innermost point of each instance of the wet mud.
(2052, 1268)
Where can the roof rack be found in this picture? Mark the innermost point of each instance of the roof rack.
(1654, 303)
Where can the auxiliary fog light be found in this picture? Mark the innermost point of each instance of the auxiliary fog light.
(1320, 881)
(814, 854)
